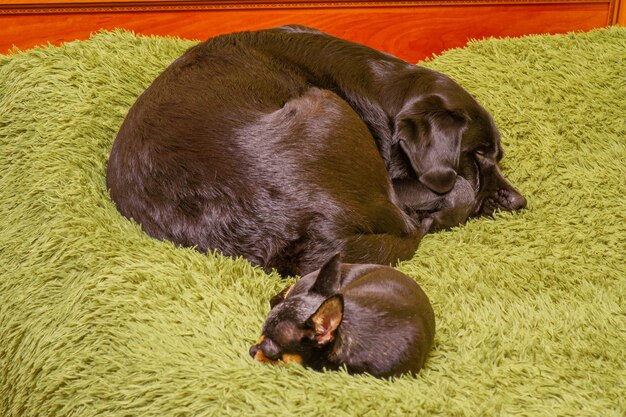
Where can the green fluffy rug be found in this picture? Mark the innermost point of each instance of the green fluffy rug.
(96, 318)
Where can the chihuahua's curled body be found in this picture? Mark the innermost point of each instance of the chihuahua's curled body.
(369, 318)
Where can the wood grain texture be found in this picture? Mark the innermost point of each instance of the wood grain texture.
(619, 15)
(48, 4)
(411, 32)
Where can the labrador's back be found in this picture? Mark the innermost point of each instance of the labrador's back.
(230, 149)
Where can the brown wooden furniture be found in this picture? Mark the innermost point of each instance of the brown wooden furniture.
(411, 30)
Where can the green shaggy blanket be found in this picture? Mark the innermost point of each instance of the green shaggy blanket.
(96, 318)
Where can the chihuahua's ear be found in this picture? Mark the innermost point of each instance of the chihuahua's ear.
(327, 319)
(429, 132)
(329, 278)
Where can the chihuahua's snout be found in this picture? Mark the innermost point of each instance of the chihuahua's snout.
(253, 350)
(270, 349)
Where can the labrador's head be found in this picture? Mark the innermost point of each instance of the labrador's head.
(446, 133)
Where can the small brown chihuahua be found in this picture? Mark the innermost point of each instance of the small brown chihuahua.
(369, 318)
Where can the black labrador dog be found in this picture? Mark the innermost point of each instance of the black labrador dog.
(286, 146)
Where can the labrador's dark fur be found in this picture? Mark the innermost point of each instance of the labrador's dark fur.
(287, 145)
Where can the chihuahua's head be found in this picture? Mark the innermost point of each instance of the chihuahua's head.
(304, 319)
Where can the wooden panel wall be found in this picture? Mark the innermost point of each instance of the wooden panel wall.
(619, 13)
(411, 30)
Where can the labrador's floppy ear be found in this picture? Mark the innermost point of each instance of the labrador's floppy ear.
(329, 278)
(327, 319)
(429, 132)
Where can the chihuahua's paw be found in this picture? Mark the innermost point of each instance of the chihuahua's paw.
(286, 358)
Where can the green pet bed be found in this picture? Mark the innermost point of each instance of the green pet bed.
(97, 318)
